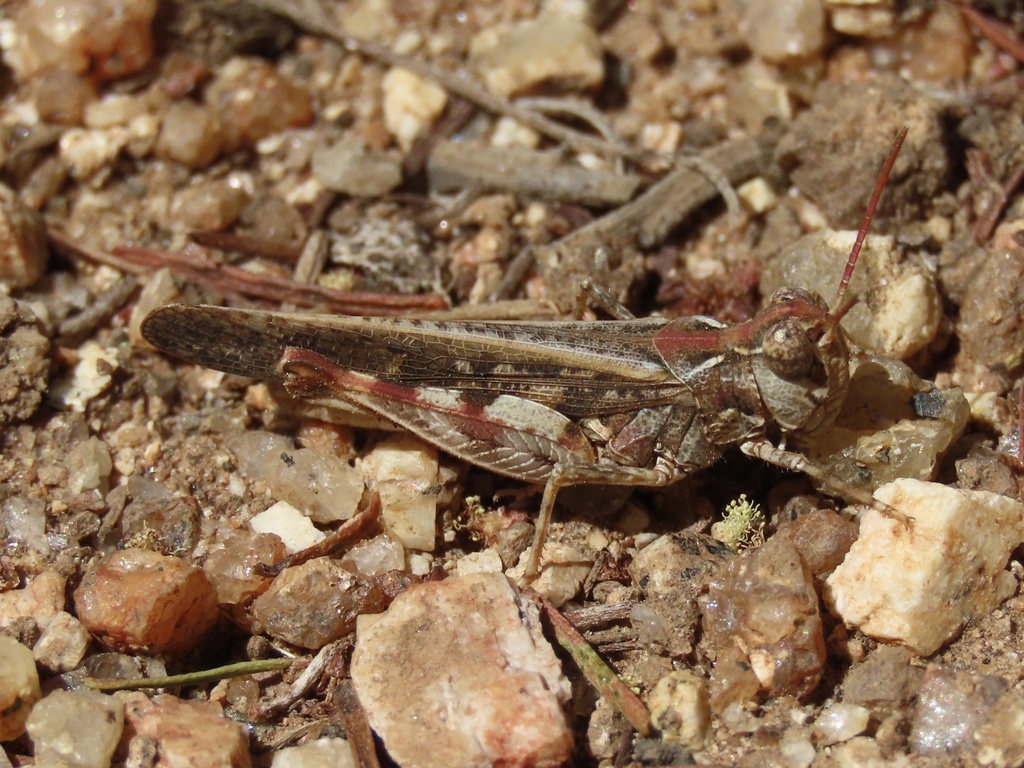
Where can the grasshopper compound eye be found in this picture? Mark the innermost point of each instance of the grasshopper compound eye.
(788, 351)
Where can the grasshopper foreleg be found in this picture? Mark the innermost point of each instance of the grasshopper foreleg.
(795, 462)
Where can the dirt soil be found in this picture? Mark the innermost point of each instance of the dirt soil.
(216, 152)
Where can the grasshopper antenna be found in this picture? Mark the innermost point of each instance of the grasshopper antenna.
(862, 233)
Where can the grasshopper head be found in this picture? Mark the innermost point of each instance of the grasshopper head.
(800, 361)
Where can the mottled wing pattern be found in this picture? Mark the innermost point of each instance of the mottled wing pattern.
(580, 369)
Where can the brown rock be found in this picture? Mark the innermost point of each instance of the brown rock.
(313, 604)
(762, 626)
(822, 537)
(144, 601)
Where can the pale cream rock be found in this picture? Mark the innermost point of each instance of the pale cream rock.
(89, 379)
(485, 561)
(41, 599)
(840, 722)
(187, 733)
(354, 169)
(796, 749)
(288, 524)
(461, 665)
(920, 586)
(562, 571)
(411, 104)
(862, 18)
(758, 196)
(403, 470)
(681, 710)
(783, 30)
(19, 687)
(75, 729)
(375, 557)
(553, 50)
(63, 644)
(322, 753)
(87, 152)
(864, 752)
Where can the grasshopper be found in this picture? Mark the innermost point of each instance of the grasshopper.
(629, 402)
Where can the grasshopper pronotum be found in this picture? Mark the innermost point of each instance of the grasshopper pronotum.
(636, 402)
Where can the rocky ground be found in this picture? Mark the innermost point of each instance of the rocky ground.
(476, 162)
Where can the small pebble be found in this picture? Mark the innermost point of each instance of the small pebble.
(403, 470)
(232, 560)
(63, 644)
(884, 682)
(762, 626)
(674, 570)
(186, 732)
(375, 557)
(840, 722)
(822, 537)
(313, 604)
(874, 18)
(212, 205)
(24, 362)
(19, 687)
(780, 31)
(62, 97)
(919, 586)
(321, 753)
(76, 729)
(294, 529)
(485, 561)
(318, 483)
(89, 466)
(23, 521)
(352, 168)
(159, 519)
(141, 600)
(411, 105)
(190, 134)
(557, 51)
(860, 752)
(253, 101)
(462, 665)
(86, 153)
(562, 571)
(89, 379)
(951, 706)
(41, 600)
(103, 38)
(23, 248)
(796, 749)
(681, 710)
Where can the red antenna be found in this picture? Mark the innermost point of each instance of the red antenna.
(862, 233)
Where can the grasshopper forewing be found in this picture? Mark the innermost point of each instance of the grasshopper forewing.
(641, 402)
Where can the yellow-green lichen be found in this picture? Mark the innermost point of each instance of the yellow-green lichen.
(741, 526)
